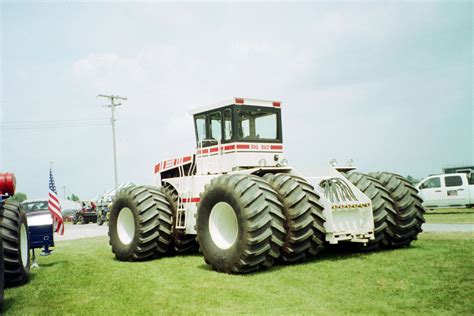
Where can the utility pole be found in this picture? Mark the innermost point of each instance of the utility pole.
(113, 104)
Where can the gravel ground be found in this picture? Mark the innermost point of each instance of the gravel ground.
(72, 232)
(79, 231)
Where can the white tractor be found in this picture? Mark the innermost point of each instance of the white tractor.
(238, 200)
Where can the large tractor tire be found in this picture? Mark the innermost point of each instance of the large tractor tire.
(2, 282)
(239, 224)
(382, 206)
(16, 243)
(405, 223)
(303, 217)
(140, 224)
(182, 243)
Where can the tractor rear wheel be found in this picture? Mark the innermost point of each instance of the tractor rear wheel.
(405, 223)
(382, 205)
(181, 242)
(300, 204)
(140, 224)
(239, 224)
(16, 243)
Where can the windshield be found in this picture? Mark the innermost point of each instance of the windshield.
(257, 125)
(35, 206)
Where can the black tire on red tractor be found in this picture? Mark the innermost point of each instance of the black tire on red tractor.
(239, 224)
(382, 205)
(15, 240)
(2, 282)
(405, 223)
(182, 243)
(303, 217)
(140, 224)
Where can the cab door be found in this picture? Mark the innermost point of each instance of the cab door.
(456, 190)
(431, 192)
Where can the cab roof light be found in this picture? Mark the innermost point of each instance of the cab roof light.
(239, 101)
(276, 104)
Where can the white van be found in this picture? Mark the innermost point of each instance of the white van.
(447, 190)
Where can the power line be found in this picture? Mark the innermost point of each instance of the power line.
(18, 125)
(56, 121)
(10, 128)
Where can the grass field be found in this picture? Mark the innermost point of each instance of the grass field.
(434, 276)
(450, 216)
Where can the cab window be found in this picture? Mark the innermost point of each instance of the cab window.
(257, 124)
(200, 128)
(453, 181)
(227, 124)
(215, 126)
(431, 183)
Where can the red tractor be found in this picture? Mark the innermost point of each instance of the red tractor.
(14, 241)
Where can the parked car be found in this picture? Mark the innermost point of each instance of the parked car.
(40, 224)
(447, 190)
(86, 214)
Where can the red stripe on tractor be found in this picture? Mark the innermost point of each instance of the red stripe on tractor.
(213, 150)
(243, 146)
(191, 200)
(276, 147)
(204, 151)
(157, 167)
(186, 159)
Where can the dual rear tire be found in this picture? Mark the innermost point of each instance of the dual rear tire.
(397, 208)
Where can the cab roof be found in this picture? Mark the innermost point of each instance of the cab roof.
(237, 101)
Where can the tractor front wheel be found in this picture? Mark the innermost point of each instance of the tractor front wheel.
(239, 224)
(140, 224)
(16, 243)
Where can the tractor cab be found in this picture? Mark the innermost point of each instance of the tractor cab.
(238, 134)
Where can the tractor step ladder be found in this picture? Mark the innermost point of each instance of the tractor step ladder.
(180, 218)
(181, 210)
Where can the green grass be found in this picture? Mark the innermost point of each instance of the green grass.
(450, 216)
(434, 276)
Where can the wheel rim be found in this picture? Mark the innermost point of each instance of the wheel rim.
(223, 225)
(24, 245)
(126, 226)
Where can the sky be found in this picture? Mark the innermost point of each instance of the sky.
(387, 84)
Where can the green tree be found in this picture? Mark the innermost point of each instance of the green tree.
(412, 180)
(73, 197)
(19, 197)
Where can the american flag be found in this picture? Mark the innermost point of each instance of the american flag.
(54, 206)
